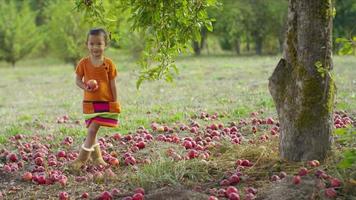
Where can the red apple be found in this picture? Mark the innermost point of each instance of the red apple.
(225, 182)
(330, 192)
(187, 144)
(273, 132)
(105, 196)
(141, 144)
(39, 161)
(63, 180)
(254, 129)
(27, 176)
(114, 161)
(117, 136)
(137, 196)
(238, 162)
(270, 120)
(18, 137)
(213, 198)
(275, 178)
(63, 196)
(221, 192)
(61, 154)
(231, 189)
(282, 174)
(85, 195)
(335, 182)
(296, 180)
(234, 196)
(246, 163)
(192, 154)
(251, 190)
(303, 171)
(52, 163)
(234, 179)
(12, 157)
(130, 160)
(41, 180)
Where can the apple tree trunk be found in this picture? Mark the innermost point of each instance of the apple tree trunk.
(302, 85)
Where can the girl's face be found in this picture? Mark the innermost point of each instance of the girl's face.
(96, 45)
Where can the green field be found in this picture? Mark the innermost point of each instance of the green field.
(36, 93)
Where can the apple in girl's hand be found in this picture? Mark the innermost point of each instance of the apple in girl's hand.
(92, 84)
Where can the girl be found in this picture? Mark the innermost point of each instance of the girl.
(96, 75)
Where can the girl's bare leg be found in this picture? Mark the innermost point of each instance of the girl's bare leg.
(91, 137)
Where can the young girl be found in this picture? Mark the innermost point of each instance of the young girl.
(96, 75)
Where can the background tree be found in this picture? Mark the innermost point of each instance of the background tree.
(19, 35)
(241, 22)
(302, 85)
(231, 24)
(345, 27)
(66, 31)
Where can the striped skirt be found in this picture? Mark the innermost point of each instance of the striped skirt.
(101, 112)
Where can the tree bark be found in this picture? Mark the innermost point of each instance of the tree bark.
(198, 46)
(247, 43)
(258, 43)
(237, 46)
(302, 86)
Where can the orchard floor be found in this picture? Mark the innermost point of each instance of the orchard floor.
(210, 90)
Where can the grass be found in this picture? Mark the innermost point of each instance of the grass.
(232, 85)
(36, 92)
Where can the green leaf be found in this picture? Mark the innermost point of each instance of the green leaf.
(348, 160)
(340, 131)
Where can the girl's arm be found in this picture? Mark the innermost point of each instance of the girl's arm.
(113, 89)
(79, 82)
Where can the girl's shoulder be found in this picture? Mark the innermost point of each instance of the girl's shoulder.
(108, 61)
(83, 61)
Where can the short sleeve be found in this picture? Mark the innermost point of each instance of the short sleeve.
(80, 68)
(113, 71)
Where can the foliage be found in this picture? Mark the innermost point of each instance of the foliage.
(344, 21)
(169, 27)
(66, 31)
(245, 20)
(19, 35)
(348, 46)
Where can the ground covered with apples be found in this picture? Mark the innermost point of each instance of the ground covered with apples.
(212, 134)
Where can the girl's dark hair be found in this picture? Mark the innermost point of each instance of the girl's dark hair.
(98, 31)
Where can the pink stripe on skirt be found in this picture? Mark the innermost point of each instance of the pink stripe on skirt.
(101, 106)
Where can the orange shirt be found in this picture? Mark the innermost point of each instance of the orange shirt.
(102, 74)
